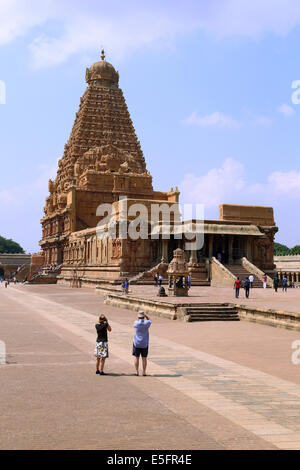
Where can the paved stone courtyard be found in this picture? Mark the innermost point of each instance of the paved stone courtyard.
(210, 385)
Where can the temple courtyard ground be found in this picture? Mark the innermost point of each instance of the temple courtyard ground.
(213, 385)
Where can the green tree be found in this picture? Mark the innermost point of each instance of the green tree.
(295, 250)
(9, 246)
(280, 250)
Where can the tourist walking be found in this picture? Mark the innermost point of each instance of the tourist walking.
(276, 283)
(284, 284)
(101, 351)
(247, 287)
(126, 286)
(189, 281)
(237, 286)
(265, 278)
(251, 279)
(123, 287)
(156, 279)
(141, 341)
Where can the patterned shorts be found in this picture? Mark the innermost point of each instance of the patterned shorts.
(101, 350)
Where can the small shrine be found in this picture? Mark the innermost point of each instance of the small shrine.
(178, 273)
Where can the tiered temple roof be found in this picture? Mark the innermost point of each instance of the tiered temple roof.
(103, 139)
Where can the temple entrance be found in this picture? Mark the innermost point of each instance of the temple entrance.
(239, 249)
(172, 246)
(155, 249)
(220, 248)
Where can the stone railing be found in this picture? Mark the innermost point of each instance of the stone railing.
(220, 276)
(256, 271)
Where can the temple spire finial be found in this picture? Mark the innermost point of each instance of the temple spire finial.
(103, 54)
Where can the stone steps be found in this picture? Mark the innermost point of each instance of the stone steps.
(242, 273)
(212, 312)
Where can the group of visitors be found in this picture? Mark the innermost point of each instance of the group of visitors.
(8, 280)
(5, 281)
(158, 280)
(52, 268)
(140, 343)
(247, 284)
(284, 284)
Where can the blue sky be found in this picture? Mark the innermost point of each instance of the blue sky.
(208, 86)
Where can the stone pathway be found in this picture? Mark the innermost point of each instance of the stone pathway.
(264, 406)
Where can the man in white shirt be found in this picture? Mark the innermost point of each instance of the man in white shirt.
(141, 341)
(251, 279)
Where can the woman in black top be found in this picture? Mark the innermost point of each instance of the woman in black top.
(101, 351)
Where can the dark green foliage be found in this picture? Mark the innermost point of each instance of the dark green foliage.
(280, 249)
(283, 250)
(9, 246)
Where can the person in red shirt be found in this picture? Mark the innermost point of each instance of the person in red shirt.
(237, 285)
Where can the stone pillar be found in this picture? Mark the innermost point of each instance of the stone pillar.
(210, 246)
(85, 252)
(223, 244)
(249, 249)
(94, 251)
(165, 254)
(193, 257)
(230, 249)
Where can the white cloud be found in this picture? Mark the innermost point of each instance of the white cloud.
(228, 184)
(17, 17)
(286, 110)
(21, 195)
(286, 184)
(123, 27)
(261, 120)
(216, 186)
(216, 119)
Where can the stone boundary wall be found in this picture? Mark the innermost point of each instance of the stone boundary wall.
(220, 276)
(277, 318)
(14, 259)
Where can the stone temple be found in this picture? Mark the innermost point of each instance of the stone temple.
(103, 163)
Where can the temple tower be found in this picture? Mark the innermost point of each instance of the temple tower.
(102, 161)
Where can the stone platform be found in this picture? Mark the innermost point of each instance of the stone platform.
(263, 306)
(172, 311)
